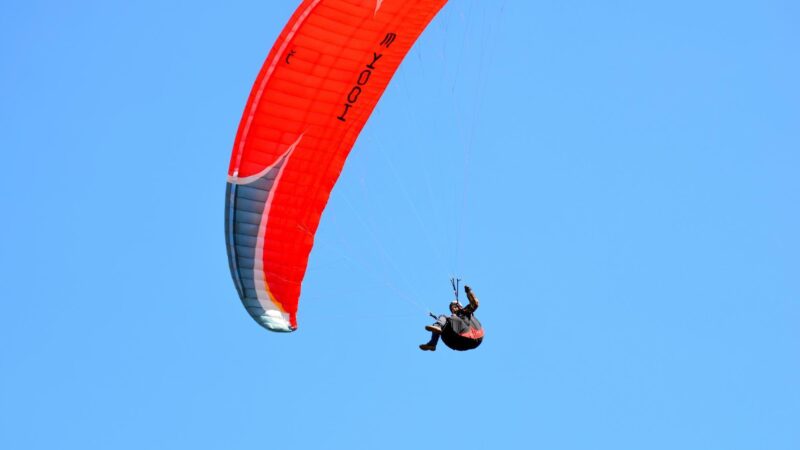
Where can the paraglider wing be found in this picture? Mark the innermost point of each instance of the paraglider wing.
(313, 95)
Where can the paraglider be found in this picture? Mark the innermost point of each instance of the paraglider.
(461, 330)
(316, 90)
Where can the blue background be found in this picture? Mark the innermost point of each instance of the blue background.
(618, 181)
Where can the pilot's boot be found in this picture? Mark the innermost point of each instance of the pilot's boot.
(435, 328)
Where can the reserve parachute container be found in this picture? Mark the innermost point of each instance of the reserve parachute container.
(311, 99)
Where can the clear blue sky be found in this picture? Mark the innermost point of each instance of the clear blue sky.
(629, 220)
